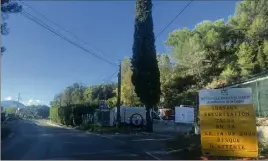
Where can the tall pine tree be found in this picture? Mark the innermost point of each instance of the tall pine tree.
(146, 75)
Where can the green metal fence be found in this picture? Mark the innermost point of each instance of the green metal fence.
(259, 88)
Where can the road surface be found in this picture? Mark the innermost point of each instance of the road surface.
(31, 141)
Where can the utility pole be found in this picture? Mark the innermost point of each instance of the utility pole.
(17, 111)
(60, 99)
(19, 97)
(18, 101)
(105, 92)
(119, 96)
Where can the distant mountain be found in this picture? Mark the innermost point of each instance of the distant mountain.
(37, 106)
(12, 103)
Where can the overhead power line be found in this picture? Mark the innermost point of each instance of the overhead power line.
(112, 75)
(174, 18)
(75, 36)
(44, 25)
(109, 78)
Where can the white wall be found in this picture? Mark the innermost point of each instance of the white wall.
(184, 115)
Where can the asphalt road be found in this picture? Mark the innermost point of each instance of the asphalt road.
(31, 141)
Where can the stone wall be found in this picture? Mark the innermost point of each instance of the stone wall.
(165, 126)
(262, 132)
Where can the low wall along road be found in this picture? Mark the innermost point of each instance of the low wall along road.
(163, 126)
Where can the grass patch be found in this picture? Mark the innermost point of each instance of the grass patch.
(5, 131)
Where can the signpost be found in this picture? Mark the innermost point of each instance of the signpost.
(102, 105)
(228, 123)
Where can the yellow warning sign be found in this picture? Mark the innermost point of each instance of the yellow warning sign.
(228, 129)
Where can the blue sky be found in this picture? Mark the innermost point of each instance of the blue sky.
(38, 64)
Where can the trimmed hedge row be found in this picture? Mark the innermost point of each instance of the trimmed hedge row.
(70, 115)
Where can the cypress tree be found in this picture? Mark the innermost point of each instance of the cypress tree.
(146, 75)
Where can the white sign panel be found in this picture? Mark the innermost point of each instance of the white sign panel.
(184, 115)
(225, 96)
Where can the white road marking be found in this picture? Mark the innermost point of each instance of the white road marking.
(102, 136)
(153, 139)
(158, 152)
(87, 132)
(52, 124)
(157, 134)
(152, 156)
(174, 151)
(47, 134)
(77, 142)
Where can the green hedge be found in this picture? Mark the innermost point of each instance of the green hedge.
(70, 115)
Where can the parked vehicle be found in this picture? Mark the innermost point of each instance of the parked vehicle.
(166, 114)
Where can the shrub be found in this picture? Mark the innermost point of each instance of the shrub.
(263, 146)
(70, 115)
(262, 122)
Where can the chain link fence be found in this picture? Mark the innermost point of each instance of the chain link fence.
(101, 117)
(259, 88)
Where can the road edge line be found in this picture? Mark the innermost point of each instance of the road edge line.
(145, 133)
(140, 140)
(99, 135)
(174, 151)
(151, 155)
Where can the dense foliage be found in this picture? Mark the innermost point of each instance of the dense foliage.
(217, 53)
(80, 94)
(76, 100)
(211, 55)
(146, 75)
(128, 94)
(10, 110)
(34, 111)
(30, 112)
(70, 114)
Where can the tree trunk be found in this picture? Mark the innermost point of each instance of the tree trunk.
(149, 122)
